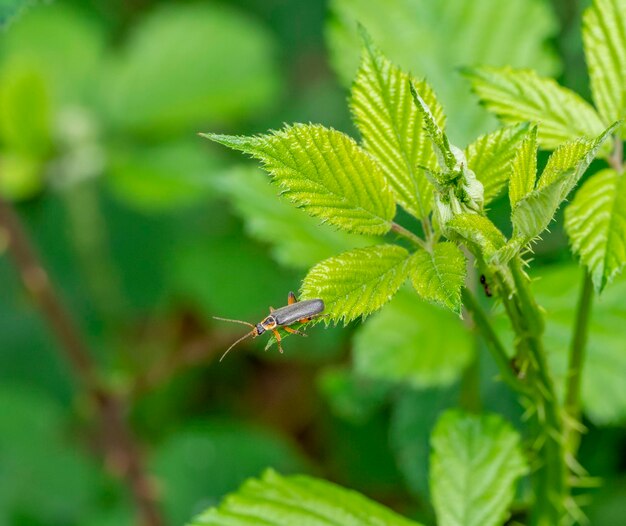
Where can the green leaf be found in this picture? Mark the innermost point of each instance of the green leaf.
(524, 168)
(184, 65)
(439, 139)
(439, 276)
(475, 463)
(324, 172)
(596, 224)
(286, 501)
(411, 342)
(10, 9)
(478, 232)
(358, 282)
(190, 485)
(297, 239)
(455, 34)
(520, 95)
(604, 35)
(490, 156)
(391, 127)
(533, 213)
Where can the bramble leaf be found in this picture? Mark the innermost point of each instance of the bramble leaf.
(392, 128)
(286, 501)
(478, 232)
(326, 173)
(475, 463)
(358, 282)
(438, 276)
(596, 224)
(524, 168)
(296, 239)
(604, 36)
(490, 156)
(533, 213)
(520, 95)
(411, 342)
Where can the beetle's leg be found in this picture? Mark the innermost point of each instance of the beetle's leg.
(294, 331)
(278, 339)
(291, 299)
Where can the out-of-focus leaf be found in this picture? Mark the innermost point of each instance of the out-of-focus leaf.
(199, 466)
(164, 177)
(9, 9)
(604, 34)
(455, 33)
(62, 45)
(412, 342)
(21, 176)
(596, 224)
(186, 65)
(297, 239)
(351, 397)
(414, 414)
(357, 283)
(39, 464)
(25, 126)
(286, 501)
(474, 467)
(326, 173)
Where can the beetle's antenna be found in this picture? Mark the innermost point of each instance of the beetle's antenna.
(234, 321)
(240, 339)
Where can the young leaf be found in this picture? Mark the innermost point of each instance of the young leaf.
(478, 232)
(438, 276)
(596, 224)
(411, 342)
(326, 173)
(439, 139)
(524, 168)
(533, 213)
(490, 156)
(392, 127)
(604, 36)
(475, 463)
(358, 282)
(287, 501)
(296, 239)
(520, 95)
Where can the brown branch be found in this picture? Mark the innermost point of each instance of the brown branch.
(120, 448)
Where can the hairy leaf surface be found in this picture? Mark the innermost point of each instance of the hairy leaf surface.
(475, 463)
(596, 224)
(604, 35)
(490, 157)
(358, 282)
(478, 232)
(326, 173)
(520, 95)
(524, 168)
(287, 501)
(392, 127)
(438, 276)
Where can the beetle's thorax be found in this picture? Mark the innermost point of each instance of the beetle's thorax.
(267, 324)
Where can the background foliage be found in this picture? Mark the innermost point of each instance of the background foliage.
(149, 231)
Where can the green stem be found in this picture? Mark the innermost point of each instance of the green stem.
(494, 344)
(408, 235)
(576, 359)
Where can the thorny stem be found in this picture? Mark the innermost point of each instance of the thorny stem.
(576, 360)
(121, 450)
(407, 234)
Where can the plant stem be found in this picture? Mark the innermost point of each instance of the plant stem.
(577, 358)
(494, 344)
(121, 451)
(407, 234)
(616, 159)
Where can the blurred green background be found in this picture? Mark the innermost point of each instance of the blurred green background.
(148, 231)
